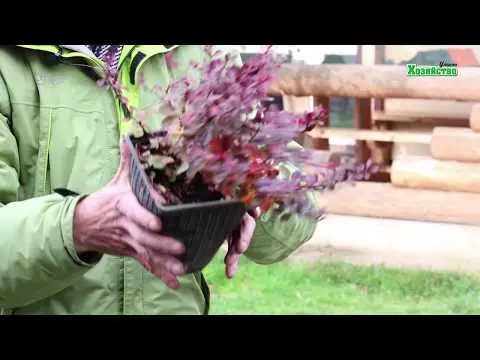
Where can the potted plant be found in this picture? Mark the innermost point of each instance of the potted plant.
(218, 151)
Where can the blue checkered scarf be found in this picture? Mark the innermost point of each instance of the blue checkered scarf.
(101, 51)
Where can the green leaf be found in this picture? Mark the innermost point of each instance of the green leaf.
(160, 161)
(183, 166)
(137, 130)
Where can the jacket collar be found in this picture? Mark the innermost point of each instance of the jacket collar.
(80, 48)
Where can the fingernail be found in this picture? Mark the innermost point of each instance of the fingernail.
(155, 225)
(178, 269)
(179, 248)
(233, 270)
(172, 285)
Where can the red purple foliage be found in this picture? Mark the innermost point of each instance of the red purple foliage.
(218, 129)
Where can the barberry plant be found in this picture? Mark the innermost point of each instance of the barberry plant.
(219, 138)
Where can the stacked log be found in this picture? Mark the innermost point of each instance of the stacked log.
(424, 172)
(438, 181)
(475, 118)
(452, 165)
(458, 144)
(384, 200)
(435, 178)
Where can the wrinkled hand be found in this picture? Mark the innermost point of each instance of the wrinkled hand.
(240, 242)
(111, 221)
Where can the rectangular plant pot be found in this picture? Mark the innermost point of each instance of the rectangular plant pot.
(202, 227)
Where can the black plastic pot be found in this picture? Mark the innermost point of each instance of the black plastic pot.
(202, 227)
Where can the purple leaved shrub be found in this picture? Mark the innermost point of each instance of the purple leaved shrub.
(218, 139)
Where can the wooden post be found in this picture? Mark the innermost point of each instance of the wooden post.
(362, 120)
(381, 151)
(379, 104)
(314, 142)
(298, 105)
(362, 117)
(325, 103)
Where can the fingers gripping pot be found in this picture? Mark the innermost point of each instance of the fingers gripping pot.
(202, 227)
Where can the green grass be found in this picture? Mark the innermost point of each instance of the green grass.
(337, 288)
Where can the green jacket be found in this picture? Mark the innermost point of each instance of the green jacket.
(59, 129)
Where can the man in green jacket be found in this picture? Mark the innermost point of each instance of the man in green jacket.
(73, 238)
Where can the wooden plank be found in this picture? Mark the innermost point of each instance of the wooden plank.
(414, 117)
(457, 144)
(373, 81)
(422, 137)
(383, 200)
(475, 118)
(432, 122)
(422, 172)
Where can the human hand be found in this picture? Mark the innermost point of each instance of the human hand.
(240, 242)
(111, 221)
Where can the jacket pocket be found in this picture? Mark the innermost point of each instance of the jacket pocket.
(79, 150)
(42, 183)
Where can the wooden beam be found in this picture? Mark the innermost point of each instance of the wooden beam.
(374, 81)
(457, 144)
(422, 137)
(383, 200)
(422, 172)
(431, 122)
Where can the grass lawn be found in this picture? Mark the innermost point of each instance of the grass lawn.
(337, 288)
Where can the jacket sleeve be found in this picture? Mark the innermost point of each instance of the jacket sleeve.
(274, 239)
(37, 256)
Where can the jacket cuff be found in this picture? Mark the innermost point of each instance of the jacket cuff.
(85, 259)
